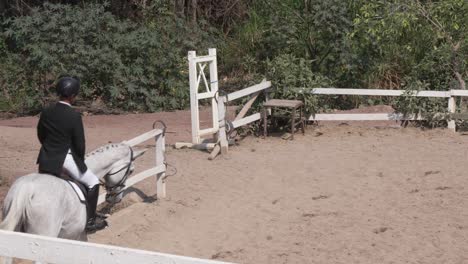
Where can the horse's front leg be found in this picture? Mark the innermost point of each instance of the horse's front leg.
(83, 237)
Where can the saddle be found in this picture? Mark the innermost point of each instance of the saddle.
(80, 189)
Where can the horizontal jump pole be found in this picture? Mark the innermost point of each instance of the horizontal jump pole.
(377, 92)
(250, 90)
(56, 250)
(205, 95)
(364, 117)
(246, 120)
(143, 137)
(144, 174)
(208, 131)
(137, 178)
(200, 146)
(204, 58)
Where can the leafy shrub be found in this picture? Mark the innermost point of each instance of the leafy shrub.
(434, 110)
(128, 65)
(289, 74)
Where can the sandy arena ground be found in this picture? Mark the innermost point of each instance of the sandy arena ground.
(339, 194)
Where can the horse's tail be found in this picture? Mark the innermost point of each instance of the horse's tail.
(15, 205)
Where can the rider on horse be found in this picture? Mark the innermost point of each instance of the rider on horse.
(61, 133)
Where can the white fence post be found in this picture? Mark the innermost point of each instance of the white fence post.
(160, 161)
(196, 76)
(451, 108)
(222, 137)
(214, 87)
(193, 96)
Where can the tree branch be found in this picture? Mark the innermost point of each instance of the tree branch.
(434, 21)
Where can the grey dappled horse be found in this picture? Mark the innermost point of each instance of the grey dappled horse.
(46, 205)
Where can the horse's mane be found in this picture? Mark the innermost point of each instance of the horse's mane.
(103, 148)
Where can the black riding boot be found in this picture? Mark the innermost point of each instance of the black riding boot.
(94, 222)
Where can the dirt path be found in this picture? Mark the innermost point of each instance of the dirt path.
(340, 194)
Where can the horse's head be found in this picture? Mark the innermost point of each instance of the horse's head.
(118, 173)
(113, 163)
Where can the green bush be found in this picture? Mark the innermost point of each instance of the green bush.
(137, 60)
(128, 65)
(289, 74)
(433, 109)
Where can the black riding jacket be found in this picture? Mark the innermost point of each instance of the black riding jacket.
(59, 130)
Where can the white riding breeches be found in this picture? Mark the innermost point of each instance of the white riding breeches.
(70, 168)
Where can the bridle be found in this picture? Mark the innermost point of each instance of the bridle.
(112, 190)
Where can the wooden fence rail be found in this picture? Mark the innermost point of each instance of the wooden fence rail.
(159, 169)
(451, 106)
(56, 250)
(374, 92)
(215, 137)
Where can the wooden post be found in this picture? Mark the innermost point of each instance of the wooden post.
(222, 137)
(267, 96)
(215, 152)
(160, 160)
(214, 87)
(265, 121)
(302, 120)
(193, 96)
(293, 122)
(451, 108)
(266, 112)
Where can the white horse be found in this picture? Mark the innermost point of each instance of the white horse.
(46, 205)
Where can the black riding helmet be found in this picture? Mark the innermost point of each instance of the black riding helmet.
(68, 86)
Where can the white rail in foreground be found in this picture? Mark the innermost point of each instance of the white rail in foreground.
(56, 250)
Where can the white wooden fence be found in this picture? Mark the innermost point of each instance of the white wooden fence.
(240, 120)
(218, 130)
(159, 169)
(220, 126)
(450, 95)
(56, 250)
(197, 67)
